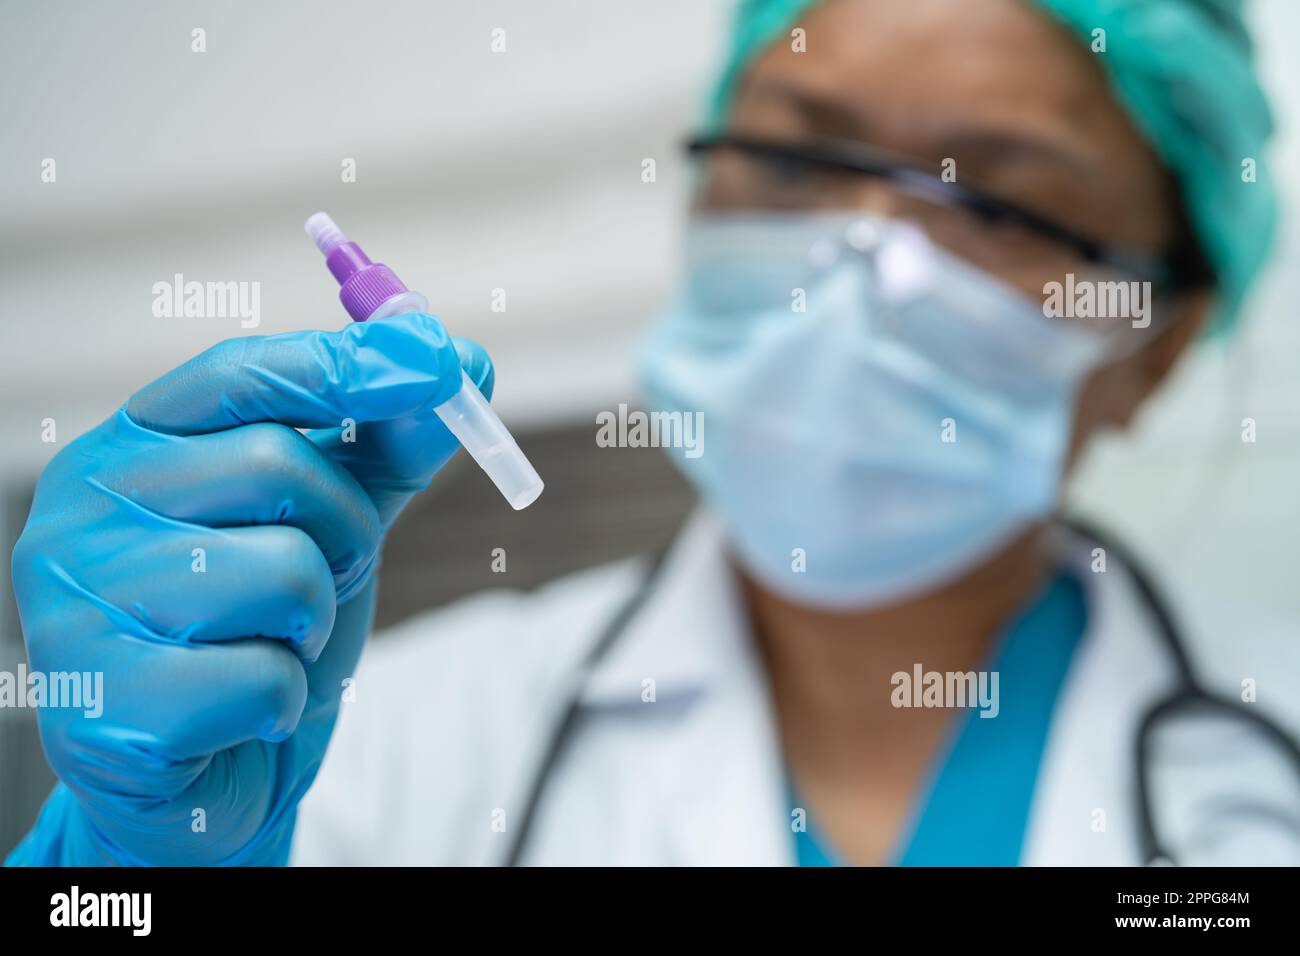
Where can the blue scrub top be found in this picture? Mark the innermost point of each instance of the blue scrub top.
(978, 796)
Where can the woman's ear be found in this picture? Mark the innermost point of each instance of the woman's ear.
(1151, 364)
(1113, 393)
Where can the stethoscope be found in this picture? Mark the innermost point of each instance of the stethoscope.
(1188, 696)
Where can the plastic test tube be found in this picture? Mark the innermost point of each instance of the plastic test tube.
(371, 290)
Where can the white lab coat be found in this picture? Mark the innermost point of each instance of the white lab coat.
(454, 709)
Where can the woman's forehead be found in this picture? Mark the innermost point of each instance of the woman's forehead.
(1015, 98)
(881, 64)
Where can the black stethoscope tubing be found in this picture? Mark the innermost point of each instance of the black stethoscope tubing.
(1189, 694)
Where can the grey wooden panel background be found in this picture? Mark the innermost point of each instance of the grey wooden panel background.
(600, 504)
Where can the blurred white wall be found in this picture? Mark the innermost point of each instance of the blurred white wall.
(1220, 518)
(475, 170)
(522, 171)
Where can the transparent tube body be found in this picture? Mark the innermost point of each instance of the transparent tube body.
(468, 416)
(476, 426)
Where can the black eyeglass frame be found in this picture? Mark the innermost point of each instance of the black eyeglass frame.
(1181, 268)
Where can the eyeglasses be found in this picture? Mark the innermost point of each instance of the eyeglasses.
(1004, 238)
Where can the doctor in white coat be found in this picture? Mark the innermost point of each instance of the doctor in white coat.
(733, 706)
(699, 775)
(937, 246)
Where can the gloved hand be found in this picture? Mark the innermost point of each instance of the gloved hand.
(218, 568)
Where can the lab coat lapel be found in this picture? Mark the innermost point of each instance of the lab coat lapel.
(1085, 801)
(717, 769)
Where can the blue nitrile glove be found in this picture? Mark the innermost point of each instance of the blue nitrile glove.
(222, 667)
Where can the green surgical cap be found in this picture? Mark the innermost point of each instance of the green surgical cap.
(1184, 71)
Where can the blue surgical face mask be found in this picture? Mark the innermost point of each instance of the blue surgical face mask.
(879, 415)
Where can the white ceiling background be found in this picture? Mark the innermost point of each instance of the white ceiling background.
(519, 170)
